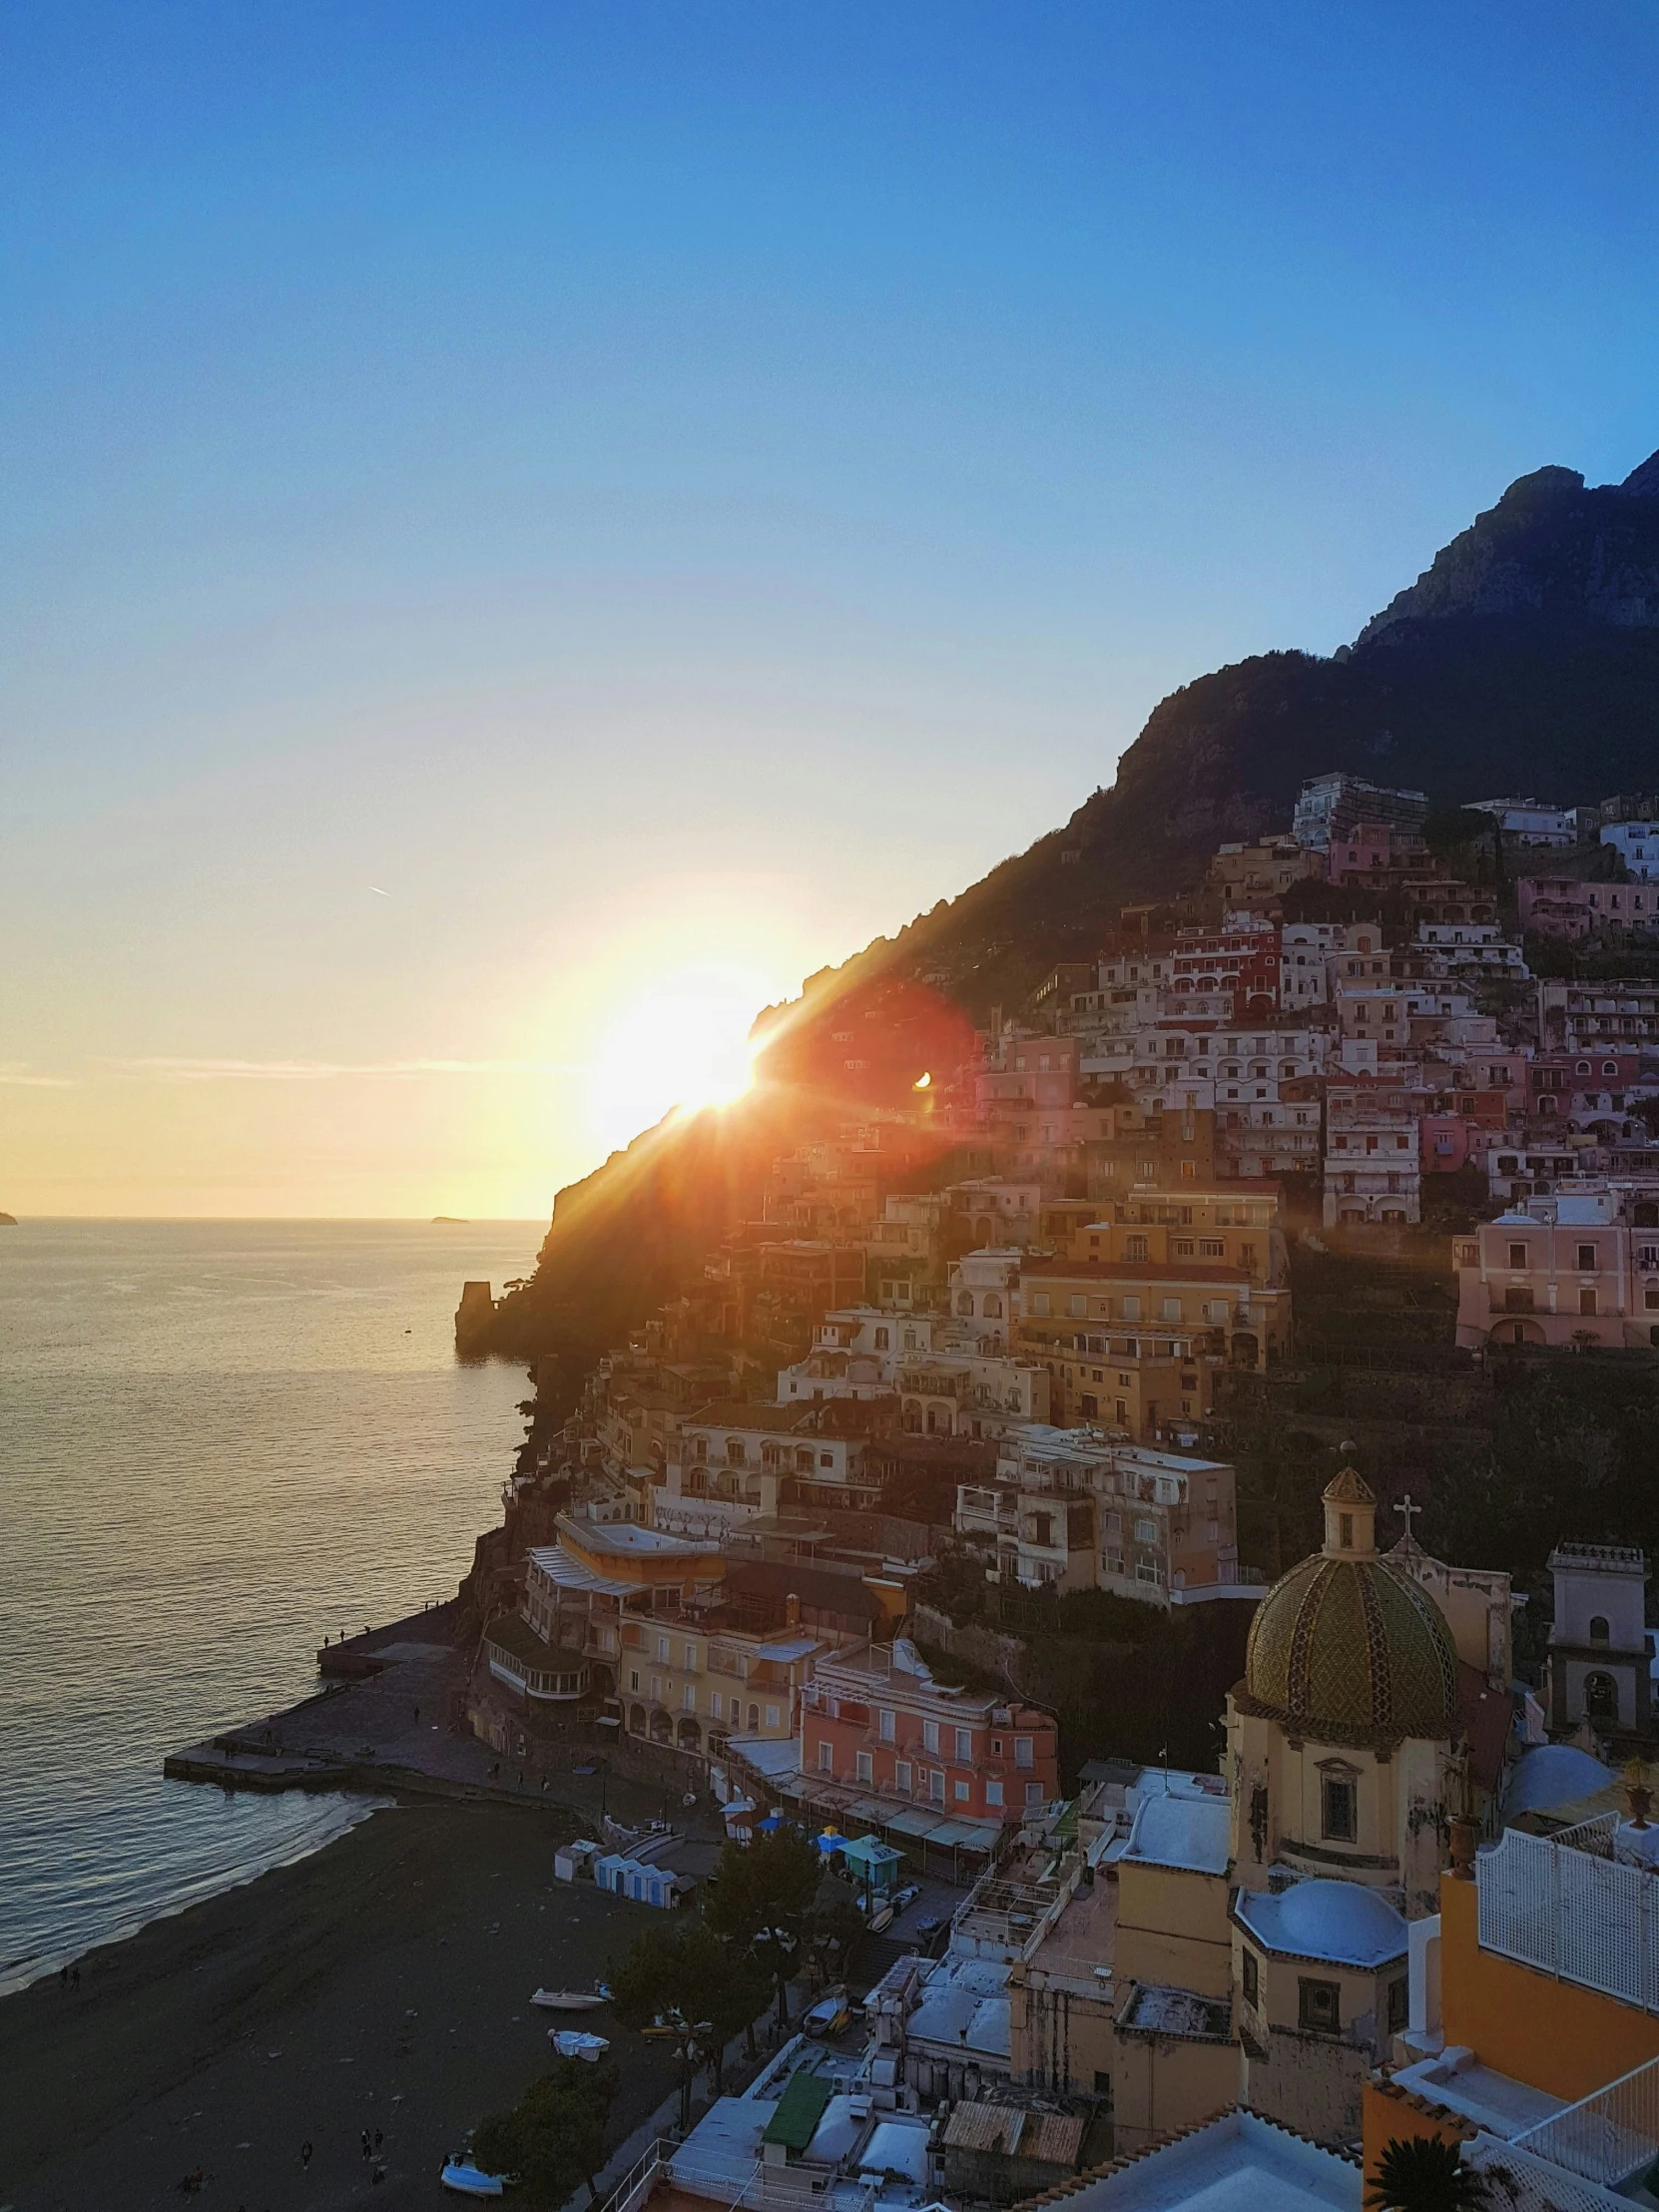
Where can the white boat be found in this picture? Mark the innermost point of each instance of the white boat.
(573, 2042)
(468, 2180)
(571, 2000)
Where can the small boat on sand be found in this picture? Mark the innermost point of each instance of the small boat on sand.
(467, 2180)
(572, 2042)
(572, 2001)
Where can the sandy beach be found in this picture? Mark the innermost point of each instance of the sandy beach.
(380, 1984)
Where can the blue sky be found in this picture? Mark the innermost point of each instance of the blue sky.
(521, 517)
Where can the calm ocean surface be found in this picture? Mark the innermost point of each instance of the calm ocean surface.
(219, 1443)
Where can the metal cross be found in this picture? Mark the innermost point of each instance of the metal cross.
(1405, 1506)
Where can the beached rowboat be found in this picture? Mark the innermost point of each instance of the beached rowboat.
(571, 2043)
(468, 2180)
(571, 2000)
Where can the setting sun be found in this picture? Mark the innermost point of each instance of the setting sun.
(684, 1044)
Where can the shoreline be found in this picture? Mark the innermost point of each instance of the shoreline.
(381, 1982)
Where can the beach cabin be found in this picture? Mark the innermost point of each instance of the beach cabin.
(641, 1882)
(874, 1869)
(574, 1862)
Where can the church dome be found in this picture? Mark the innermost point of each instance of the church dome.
(1347, 1647)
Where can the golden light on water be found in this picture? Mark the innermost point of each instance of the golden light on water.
(683, 1043)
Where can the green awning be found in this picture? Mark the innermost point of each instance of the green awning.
(800, 2109)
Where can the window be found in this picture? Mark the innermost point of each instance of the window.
(993, 1793)
(1586, 1302)
(826, 1757)
(935, 1788)
(902, 1775)
(1339, 1810)
(864, 1767)
(888, 1726)
(774, 1716)
(965, 1742)
(691, 1658)
(964, 1792)
(827, 1459)
(930, 1735)
(884, 1338)
(1022, 1751)
(1251, 1977)
(717, 1705)
(1517, 1252)
(1320, 2008)
(634, 1679)
(1033, 1793)
(1600, 1632)
(1134, 1248)
(1398, 2013)
(1039, 1305)
(687, 1698)
(1172, 1309)
(662, 1649)
(993, 1305)
(1587, 1257)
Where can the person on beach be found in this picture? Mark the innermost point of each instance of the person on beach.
(380, 2138)
(304, 2154)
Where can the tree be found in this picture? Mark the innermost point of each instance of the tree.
(1422, 2174)
(679, 1983)
(554, 2138)
(759, 1900)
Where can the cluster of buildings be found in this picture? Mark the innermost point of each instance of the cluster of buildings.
(1414, 1899)
(1015, 1301)
(1396, 1910)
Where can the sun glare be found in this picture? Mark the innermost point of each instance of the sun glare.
(680, 1046)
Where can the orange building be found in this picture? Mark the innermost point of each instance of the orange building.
(1533, 2033)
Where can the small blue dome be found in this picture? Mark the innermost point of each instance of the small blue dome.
(1554, 1774)
(1340, 1919)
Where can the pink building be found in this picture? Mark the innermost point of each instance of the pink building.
(876, 1727)
(1581, 1267)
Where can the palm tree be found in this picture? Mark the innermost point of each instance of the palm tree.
(1423, 2174)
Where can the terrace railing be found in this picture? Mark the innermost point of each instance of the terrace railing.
(1566, 1906)
(1609, 2136)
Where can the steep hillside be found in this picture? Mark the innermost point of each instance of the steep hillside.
(1524, 659)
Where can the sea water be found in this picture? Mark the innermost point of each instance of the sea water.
(219, 1442)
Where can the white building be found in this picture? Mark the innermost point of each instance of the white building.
(1078, 1510)
(1598, 1664)
(1528, 823)
(1373, 1164)
(1637, 846)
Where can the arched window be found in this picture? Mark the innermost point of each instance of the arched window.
(1599, 1631)
(964, 1303)
(994, 1306)
(1601, 1697)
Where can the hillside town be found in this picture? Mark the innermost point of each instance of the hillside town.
(987, 1356)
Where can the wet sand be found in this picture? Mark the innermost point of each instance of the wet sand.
(381, 1983)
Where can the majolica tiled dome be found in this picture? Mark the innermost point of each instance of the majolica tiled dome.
(1346, 1647)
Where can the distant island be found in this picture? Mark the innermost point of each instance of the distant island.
(8, 1221)
(450, 1221)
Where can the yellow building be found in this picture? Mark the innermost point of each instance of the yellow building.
(1233, 1225)
(1177, 2050)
